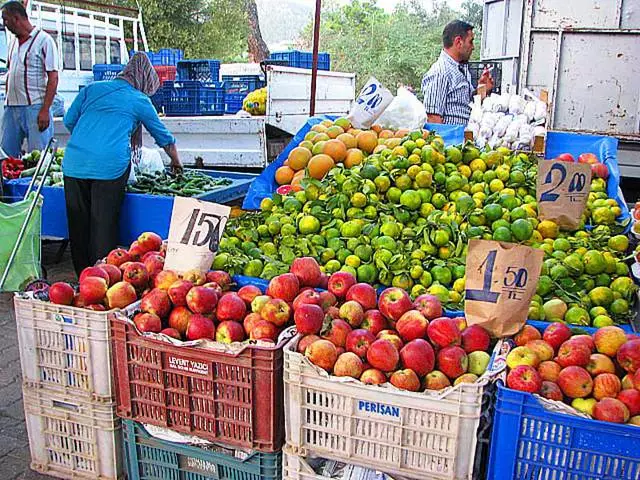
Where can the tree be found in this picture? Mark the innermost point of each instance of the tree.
(258, 50)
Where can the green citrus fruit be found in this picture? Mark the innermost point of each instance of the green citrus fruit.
(601, 296)
(577, 316)
(522, 230)
(594, 262)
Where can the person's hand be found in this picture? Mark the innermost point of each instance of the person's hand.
(43, 119)
(176, 167)
(486, 80)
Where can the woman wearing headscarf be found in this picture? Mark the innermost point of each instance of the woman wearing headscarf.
(105, 120)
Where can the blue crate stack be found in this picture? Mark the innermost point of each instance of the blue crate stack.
(186, 98)
(300, 59)
(105, 71)
(237, 87)
(163, 57)
(200, 70)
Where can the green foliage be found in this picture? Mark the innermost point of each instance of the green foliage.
(397, 48)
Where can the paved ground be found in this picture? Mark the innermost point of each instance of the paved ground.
(14, 442)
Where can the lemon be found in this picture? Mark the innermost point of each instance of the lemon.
(459, 285)
(359, 200)
(478, 165)
(496, 185)
(548, 229)
(619, 243)
(464, 170)
(352, 261)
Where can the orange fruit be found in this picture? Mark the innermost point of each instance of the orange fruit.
(321, 137)
(385, 134)
(367, 141)
(343, 122)
(319, 128)
(284, 175)
(403, 132)
(326, 123)
(286, 163)
(376, 128)
(348, 140)
(334, 131)
(379, 148)
(297, 177)
(354, 157)
(319, 165)
(335, 149)
(298, 158)
(354, 131)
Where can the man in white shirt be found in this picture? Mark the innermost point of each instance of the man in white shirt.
(32, 81)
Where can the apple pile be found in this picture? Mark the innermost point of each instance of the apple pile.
(596, 374)
(598, 169)
(124, 277)
(350, 332)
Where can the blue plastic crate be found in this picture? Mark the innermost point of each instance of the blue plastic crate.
(233, 102)
(299, 59)
(243, 83)
(148, 457)
(163, 57)
(529, 442)
(201, 70)
(157, 99)
(193, 98)
(104, 71)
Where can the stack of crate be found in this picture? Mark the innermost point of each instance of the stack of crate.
(67, 390)
(197, 90)
(231, 401)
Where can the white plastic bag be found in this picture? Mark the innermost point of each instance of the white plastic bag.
(404, 112)
(150, 161)
(371, 102)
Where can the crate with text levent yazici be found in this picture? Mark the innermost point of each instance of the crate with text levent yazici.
(221, 393)
(411, 434)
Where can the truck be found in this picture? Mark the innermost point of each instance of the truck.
(585, 53)
(82, 31)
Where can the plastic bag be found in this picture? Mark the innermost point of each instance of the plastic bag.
(150, 161)
(404, 112)
(371, 102)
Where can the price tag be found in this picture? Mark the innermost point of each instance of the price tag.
(501, 278)
(194, 234)
(370, 103)
(562, 190)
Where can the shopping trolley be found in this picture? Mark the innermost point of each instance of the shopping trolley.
(20, 248)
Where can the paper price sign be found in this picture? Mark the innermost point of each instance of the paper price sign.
(501, 278)
(562, 190)
(194, 234)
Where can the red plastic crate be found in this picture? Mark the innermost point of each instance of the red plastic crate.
(166, 73)
(236, 399)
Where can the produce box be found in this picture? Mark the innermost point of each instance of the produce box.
(145, 453)
(104, 71)
(300, 59)
(199, 70)
(529, 441)
(414, 435)
(233, 102)
(243, 83)
(70, 437)
(163, 57)
(186, 98)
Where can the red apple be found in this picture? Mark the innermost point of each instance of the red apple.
(136, 251)
(606, 385)
(118, 256)
(231, 307)
(585, 340)
(575, 382)
(392, 336)
(248, 293)
(115, 274)
(156, 301)
(154, 265)
(364, 294)
(309, 296)
(525, 379)
(305, 342)
(452, 361)
(628, 356)
(259, 302)
(348, 364)
(200, 327)
(599, 170)
(79, 302)
(165, 279)
(394, 302)
(589, 158)
(600, 363)
(556, 334)
(61, 293)
(333, 312)
(542, 349)
(150, 253)
(94, 272)
(383, 355)
(428, 305)
(352, 312)
(636, 380)
(549, 371)
(436, 380)
(307, 270)
(179, 319)
(418, 355)
(340, 283)
(97, 307)
(263, 330)
(527, 334)
(631, 398)
(171, 332)
(566, 157)
(284, 287)
(276, 311)
(220, 277)
(373, 376)
(195, 276)
(406, 380)
(202, 300)
(609, 339)
(337, 332)
(611, 410)
(573, 353)
(249, 322)
(148, 322)
(475, 338)
(93, 290)
(178, 292)
(324, 281)
(461, 323)
(322, 353)
(309, 319)
(229, 332)
(444, 332)
(149, 241)
(327, 299)
(551, 391)
(358, 341)
(412, 325)
(120, 295)
(136, 274)
(373, 321)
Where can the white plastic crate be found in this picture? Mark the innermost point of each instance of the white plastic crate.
(65, 349)
(411, 434)
(72, 438)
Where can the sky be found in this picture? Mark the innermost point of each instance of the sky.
(390, 4)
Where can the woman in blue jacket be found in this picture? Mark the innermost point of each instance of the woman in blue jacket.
(103, 119)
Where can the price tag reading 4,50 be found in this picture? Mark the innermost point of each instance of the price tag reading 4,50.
(501, 278)
(562, 189)
(194, 234)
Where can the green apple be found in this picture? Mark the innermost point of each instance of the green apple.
(478, 362)
(584, 405)
(522, 356)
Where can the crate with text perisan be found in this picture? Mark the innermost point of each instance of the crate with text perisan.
(148, 453)
(71, 437)
(411, 434)
(64, 348)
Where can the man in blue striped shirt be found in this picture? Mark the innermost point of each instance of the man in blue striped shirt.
(447, 85)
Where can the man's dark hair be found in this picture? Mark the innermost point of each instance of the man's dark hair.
(15, 8)
(454, 29)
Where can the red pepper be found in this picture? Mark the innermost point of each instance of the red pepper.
(11, 168)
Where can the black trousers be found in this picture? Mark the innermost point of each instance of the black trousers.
(93, 216)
